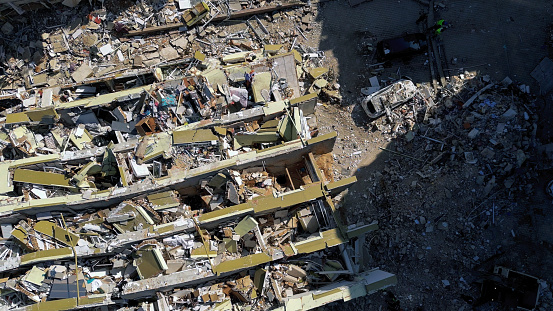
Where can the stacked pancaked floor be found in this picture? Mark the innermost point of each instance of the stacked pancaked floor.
(200, 184)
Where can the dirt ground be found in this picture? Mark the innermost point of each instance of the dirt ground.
(442, 220)
(438, 222)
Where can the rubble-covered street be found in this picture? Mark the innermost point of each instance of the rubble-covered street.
(276, 155)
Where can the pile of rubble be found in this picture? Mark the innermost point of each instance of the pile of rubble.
(186, 114)
(100, 45)
(227, 188)
(493, 130)
(149, 155)
(152, 155)
(190, 122)
(479, 126)
(167, 241)
(454, 173)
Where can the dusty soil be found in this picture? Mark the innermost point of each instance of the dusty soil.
(441, 222)
(436, 220)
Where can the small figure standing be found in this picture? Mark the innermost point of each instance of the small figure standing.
(439, 31)
(440, 24)
(439, 27)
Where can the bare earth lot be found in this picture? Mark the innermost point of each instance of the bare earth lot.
(443, 220)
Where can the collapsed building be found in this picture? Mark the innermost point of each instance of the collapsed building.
(247, 211)
(289, 225)
(172, 182)
(151, 131)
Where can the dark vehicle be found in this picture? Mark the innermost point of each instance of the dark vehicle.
(403, 46)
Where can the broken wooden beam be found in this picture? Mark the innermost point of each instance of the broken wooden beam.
(254, 11)
(218, 18)
(154, 29)
(473, 97)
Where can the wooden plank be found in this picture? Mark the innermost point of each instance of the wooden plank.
(218, 18)
(262, 10)
(290, 178)
(154, 29)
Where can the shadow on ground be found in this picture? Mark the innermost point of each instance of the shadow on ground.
(397, 191)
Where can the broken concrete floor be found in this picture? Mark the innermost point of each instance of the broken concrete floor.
(456, 191)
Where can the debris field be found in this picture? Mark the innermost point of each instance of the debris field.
(203, 155)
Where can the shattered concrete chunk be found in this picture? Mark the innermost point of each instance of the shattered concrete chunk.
(521, 157)
(509, 115)
(169, 53)
(473, 133)
(150, 56)
(90, 39)
(106, 49)
(137, 61)
(181, 42)
(7, 28)
(83, 72)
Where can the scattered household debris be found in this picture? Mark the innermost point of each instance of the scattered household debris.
(128, 105)
(281, 226)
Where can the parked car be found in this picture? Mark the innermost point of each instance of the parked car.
(406, 45)
(392, 96)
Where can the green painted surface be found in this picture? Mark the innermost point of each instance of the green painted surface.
(245, 225)
(268, 204)
(274, 107)
(147, 265)
(139, 219)
(341, 184)
(36, 115)
(303, 98)
(326, 294)
(52, 230)
(392, 280)
(193, 136)
(317, 72)
(272, 48)
(102, 99)
(226, 212)
(361, 230)
(41, 178)
(321, 138)
(81, 142)
(242, 263)
(163, 200)
(245, 140)
(18, 117)
(49, 254)
(287, 130)
(66, 304)
(261, 81)
(329, 238)
(53, 305)
(158, 144)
